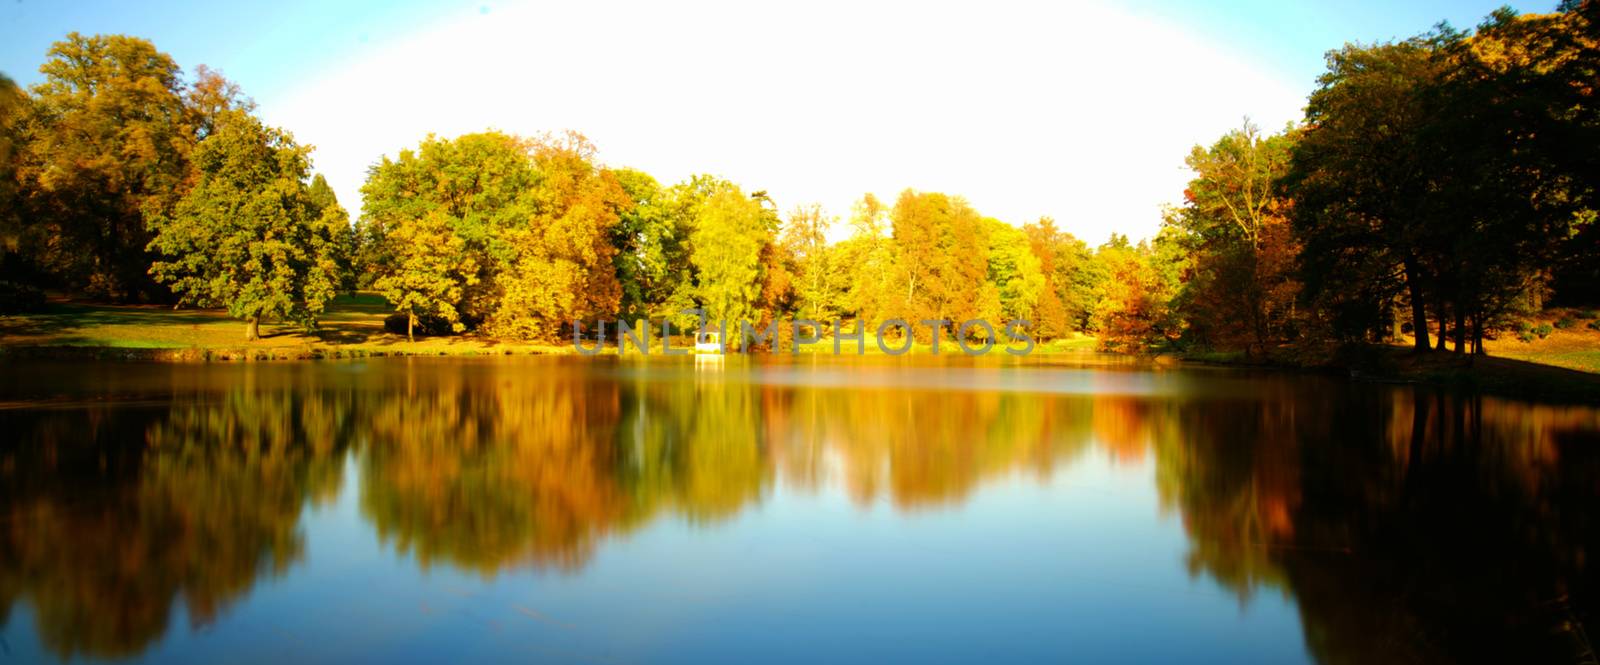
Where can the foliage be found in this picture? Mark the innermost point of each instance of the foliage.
(869, 255)
(249, 236)
(1241, 290)
(427, 271)
(1136, 310)
(819, 287)
(729, 238)
(559, 267)
(943, 253)
(1015, 272)
(1443, 172)
(109, 137)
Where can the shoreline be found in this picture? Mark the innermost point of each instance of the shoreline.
(1485, 375)
(1498, 376)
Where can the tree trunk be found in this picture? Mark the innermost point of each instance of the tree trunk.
(411, 325)
(1419, 315)
(1444, 327)
(1461, 330)
(252, 328)
(1477, 334)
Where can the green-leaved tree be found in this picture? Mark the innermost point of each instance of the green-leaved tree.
(248, 236)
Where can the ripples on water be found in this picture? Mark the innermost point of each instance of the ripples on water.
(758, 510)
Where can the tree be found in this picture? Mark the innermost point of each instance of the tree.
(1016, 273)
(248, 236)
(818, 278)
(869, 253)
(477, 186)
(561, 266)
(346, 242)
(943, 252)
(728, 240)
(109, 137)
(1050, 320)
(1359, 181)
(1136, 308)
(1515, 103)
(428, 268)
(14, 108)
(1242, 288)
(652, 242)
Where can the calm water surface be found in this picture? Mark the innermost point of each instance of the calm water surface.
(761, 510)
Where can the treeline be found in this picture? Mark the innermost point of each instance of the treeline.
(1440, 187)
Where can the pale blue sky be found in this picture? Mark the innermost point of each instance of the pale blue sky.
(1081, 112)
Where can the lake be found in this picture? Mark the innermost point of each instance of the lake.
(675, 510)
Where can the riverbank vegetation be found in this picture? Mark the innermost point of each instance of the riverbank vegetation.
(1440, 190)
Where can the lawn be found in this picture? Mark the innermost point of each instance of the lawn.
(352, 325)
(1575, 347)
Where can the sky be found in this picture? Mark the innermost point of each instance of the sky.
(1080, 111)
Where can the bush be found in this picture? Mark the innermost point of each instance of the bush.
(427, 326)
(1543, 330)
(1566, 322)
(1594, 325)
(1525, 336)
(1589, 314)
(19, 298)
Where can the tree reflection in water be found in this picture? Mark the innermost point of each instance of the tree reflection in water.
(1407, 525)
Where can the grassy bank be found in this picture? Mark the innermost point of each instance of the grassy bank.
(1563, 364)
(352, 327)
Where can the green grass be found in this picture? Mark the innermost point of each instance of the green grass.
(1586, 361)
(352, 325)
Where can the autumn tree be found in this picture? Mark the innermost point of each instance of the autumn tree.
(1016, 273)
(1136, 308)
(1242, 288)
(869, 255)
(1046, 242)
(109, 138)
(1513, 186)
(427, 268)
(249, 236)
(346, 243)
(476, 185)
(14, 107)
(729, 237)
(818, 276)
(559, 266)
(943, 253)
(1446, 170)
(1358, 176)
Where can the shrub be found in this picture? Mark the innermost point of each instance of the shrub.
(1525, 336)
(19, 298)
(427, 326)
(1589, 314)
(1594, 325)
(1543, 330)
(1565, 322)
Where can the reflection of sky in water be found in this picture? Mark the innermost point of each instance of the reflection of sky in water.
(1082, 564)
(783, 509)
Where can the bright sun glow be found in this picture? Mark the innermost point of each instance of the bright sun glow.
(1082, 113)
